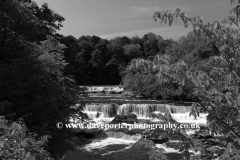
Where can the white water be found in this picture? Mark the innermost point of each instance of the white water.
(179, 117)
(123, 136)
(98, 144)
(108, 110)
(114, 141)
(143, 111)
(104, 88)
(105, 113)
(185, 118)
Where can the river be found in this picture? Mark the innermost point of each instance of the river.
(103, 103)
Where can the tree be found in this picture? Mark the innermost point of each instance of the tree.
(123, 40)
(141, 77)
(193, 49)
(97, 59)
(33, 84)
(137, 40)
(215, 89)
(102, 46)
(82, 67)
(70, 52)
(95, 40)
(150, 42)
(164, 44)
(132, 51)
(16, 16)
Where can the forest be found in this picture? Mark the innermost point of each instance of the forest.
(42, 69)
(96, 61)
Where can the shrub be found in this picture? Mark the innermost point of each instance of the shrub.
(17, 143)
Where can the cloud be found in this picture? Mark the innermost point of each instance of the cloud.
(151, 10)
(144, 10)
(140, 32)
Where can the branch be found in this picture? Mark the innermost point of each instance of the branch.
(214, 113)
(201, 27)
(218, 119)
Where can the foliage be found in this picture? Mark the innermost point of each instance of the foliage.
(96, 61)
(34, 84)
(214, 86)
(16, 143)
(19, 17)
(191, 48)
(141, 77)
(132, 51)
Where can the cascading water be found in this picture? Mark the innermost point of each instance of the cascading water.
(142, 110)
(103, 88)
(107, 110)
(124, 136)
(102, 108)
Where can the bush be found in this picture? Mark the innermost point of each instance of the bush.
(17, 143)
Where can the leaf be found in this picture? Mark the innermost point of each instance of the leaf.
(161, 23)
(183, 82)
(214, 25)
(177, 13)
(170, 18)
(232, 10)
(155, 16)
(232, 19)
(236, 10)
(160, 17)
(186, 23)
(182, 16)
(222, 47)
(194, 28)
(200, 20)
(164, 17)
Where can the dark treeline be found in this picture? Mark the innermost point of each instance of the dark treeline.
(96, 61)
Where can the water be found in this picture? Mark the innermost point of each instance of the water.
(103, 88)
(102, 107)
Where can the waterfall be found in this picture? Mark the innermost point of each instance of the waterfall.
(104, 88)
(94, 114)
(108, 110)
(111, 110)
(124, 136)
(143, 110)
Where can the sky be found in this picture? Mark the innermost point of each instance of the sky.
(112, 18)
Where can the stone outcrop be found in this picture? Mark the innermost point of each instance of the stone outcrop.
(130, 118)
